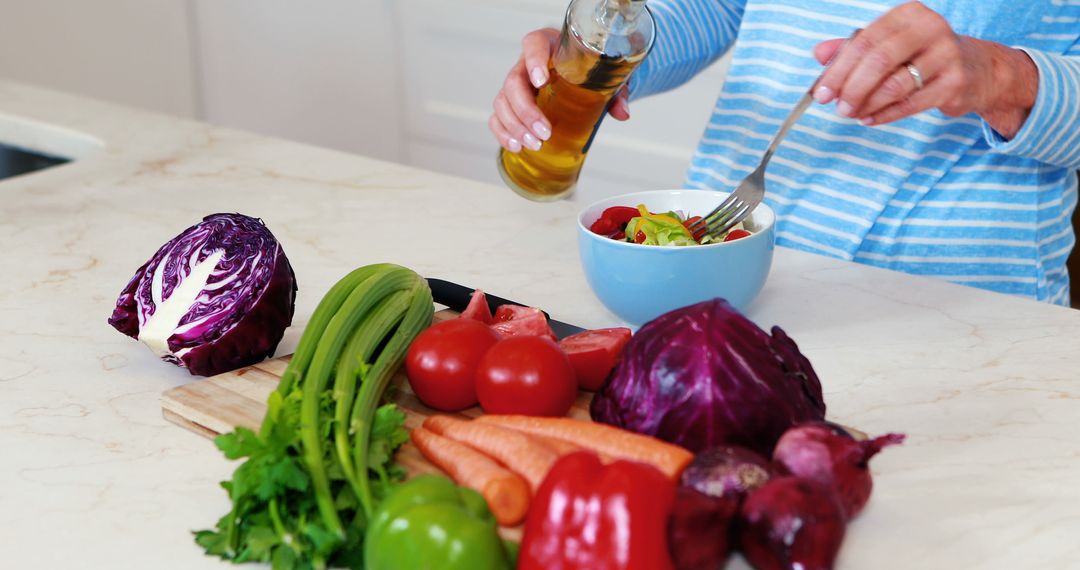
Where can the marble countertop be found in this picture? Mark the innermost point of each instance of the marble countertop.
(986, 386)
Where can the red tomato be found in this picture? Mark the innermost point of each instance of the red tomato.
(736, 234)
(620, 214)
(527, 375)
(639, 237)
(515, 320)
(442, 362)
(478, 309)
(593, 354)
(603, 226)
(700, 233)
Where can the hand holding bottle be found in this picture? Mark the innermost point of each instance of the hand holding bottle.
(517, 121)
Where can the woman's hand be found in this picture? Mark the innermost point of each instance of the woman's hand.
(517, 122)
(871, 81)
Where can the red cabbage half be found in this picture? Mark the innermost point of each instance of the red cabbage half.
(704, 376)
(217, 297)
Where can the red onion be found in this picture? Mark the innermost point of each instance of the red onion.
(818, 451)
(724, 471)
(791, 524)
(699, 530)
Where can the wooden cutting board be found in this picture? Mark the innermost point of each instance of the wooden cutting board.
(218, 404)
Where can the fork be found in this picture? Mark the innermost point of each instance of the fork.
(740, 203)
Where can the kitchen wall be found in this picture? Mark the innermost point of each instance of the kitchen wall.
(403, 80)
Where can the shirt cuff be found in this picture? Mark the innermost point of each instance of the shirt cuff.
(1051, 130)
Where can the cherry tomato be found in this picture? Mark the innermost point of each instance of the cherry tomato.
(700, 233)
(639, 237)
(527, 375)
(442, 362)
(736, 234)
(593, 354)
(620, 214)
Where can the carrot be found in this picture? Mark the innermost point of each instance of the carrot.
(561, 447)
(516, 450)
(602, 438)
(506, 493)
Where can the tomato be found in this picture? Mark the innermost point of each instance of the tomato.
(736, 234)
(527, 375)
(442, 362)
(620, 215)
(593, 354)
(603, 226)
(478, 309)
(639, 237)
(700, 233)
(515, 320)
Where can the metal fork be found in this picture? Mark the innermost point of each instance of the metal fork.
(751, 190)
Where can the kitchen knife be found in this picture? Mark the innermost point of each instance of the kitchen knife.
(457, 297)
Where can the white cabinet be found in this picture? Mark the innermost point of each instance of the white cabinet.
(454, 59)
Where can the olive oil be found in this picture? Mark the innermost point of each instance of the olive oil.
(602, 42)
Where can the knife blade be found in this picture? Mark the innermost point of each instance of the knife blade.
(457, 297)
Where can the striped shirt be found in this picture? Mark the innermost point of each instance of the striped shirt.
(930, 195)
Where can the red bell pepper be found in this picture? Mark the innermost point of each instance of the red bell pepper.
(586, 515)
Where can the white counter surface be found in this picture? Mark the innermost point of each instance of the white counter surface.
(987, 387)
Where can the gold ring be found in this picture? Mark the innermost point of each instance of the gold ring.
(916, 75)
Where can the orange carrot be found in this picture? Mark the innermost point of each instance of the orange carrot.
(506, 493)
(561, 447)
(516, 450)
(602, 438)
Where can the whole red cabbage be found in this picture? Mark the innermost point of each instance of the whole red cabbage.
(704, 375)
(217, 297)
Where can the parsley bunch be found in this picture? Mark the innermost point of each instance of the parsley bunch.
(323, 457)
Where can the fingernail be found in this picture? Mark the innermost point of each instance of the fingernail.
(538, 77)
(823, 94)
(868, 122)
(514, 144)
(530, 141)
(845, 108)
(541, 130)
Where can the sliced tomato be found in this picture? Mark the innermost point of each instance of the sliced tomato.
(594, 354)
(478, 309)
(620, 215)
(515, 320)
(736, 234)
(604, 227)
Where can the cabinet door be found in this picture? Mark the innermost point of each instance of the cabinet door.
(455, 57)
(133, 52)
(321, 72)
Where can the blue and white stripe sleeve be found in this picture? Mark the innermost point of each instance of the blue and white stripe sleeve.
(690, 34)
(1051, 133)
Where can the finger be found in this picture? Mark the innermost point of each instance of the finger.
(860, 45)
(536, 50)
(825, 50)
(878, 64)
(933, 95)
(522, 99)
(505, 140)
(512, 123)
(900, 83)
(620, 107)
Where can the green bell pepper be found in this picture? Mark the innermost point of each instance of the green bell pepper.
(431, 523)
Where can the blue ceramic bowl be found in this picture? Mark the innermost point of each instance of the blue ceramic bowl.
(641, 282)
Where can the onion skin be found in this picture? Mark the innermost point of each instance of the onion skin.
(817, 451)
(791, 523)
(726, 471)
(700, 529)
